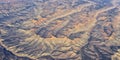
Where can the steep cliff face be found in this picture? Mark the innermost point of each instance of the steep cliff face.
(60, 29)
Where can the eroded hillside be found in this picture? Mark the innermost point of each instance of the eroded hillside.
(60, 29)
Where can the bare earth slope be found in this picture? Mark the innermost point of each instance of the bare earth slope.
(60, 29)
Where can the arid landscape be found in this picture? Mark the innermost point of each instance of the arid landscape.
(59, 29)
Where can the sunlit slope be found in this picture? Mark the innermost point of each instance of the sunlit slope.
(60, 29)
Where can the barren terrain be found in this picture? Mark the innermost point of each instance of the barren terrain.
(59, 29)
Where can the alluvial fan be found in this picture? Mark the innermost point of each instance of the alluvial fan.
(59, 30)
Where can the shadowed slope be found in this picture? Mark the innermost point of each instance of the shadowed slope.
(60, 30)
